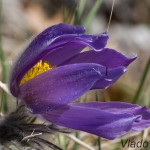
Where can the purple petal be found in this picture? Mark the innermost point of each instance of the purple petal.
(61, 54)
(107, 57)
(138, 126)
(48, 41)
(60, 85)
(97, 42)
(112, 75)
(114, 107)
(104, 123)
(121, 108)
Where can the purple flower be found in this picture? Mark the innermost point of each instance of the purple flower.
(54, 70)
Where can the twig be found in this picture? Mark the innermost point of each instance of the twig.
(31, 136)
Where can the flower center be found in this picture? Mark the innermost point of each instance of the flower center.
(36, 70)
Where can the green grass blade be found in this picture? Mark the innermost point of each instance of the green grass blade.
(68, 14)
(81, 7)
(76, 145)
(92, 13)
(62, 141)
(99, 143)
(3, 106)
(99, 139)
(76, 19)
(142, 82)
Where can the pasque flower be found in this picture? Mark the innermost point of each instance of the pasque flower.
(54, 70)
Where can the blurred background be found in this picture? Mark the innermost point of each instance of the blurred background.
(129, 33)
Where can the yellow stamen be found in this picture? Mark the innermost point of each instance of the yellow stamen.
(36, 70)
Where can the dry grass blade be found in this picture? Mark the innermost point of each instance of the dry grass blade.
(72, 137)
